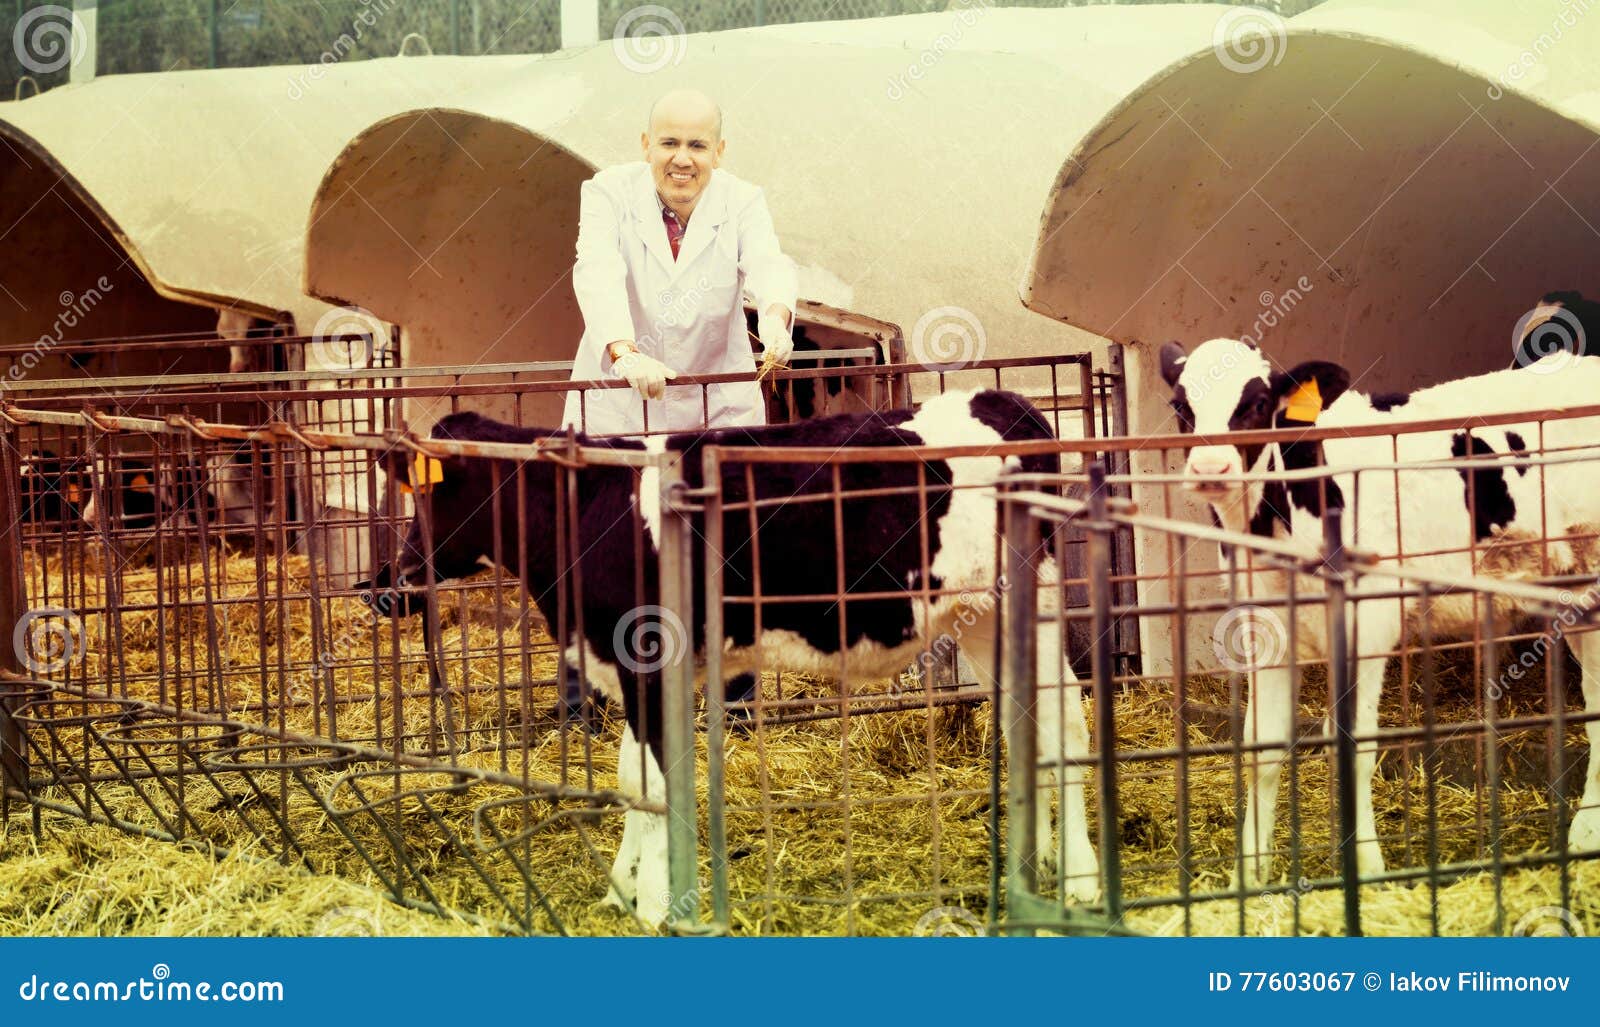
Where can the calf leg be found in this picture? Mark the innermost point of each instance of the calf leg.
(630, 782)
(1584, 834)
(1063, 734)
(1369, 689)
(741, 688)
(1268, 720)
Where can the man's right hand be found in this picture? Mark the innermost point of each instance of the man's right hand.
(647, 374)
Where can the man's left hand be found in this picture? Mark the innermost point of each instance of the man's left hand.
(776, 343)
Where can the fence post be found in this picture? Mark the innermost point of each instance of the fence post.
(1341, 684)
(87, 13)
(216, 30)
(677, 700)
(1018, 682)
(13, 600)
(1099, 538)
(580, 23)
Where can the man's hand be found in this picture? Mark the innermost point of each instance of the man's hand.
(776, 343)
(647, 374)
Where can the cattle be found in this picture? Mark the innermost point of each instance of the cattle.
(54, 488)
(883, 536)
(1485, 520)
(221, 489)
(1563, 322)
(237, 326)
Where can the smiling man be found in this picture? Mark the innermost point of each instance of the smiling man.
(666, 249)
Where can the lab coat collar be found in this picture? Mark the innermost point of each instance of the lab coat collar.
(710, 212)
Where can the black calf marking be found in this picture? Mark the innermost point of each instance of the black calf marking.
(1518, 447)
(1484, 488)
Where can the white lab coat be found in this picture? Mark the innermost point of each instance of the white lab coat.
(686, 313)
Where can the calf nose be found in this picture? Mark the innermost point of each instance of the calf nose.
(1209, 467)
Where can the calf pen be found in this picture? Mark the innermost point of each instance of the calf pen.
(200, 681)
(211, 688)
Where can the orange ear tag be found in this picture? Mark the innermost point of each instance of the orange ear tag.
(426, 472)
(1305, 403)
(140, 483)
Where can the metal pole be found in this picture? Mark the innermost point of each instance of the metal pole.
(677, 709)
(216, 29)
(455, 26)
(716, 821)
(1099, 539)
(13, 601)
(87, 13)
(1018, 692)
(1340, 682)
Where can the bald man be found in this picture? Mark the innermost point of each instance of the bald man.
(666, 249)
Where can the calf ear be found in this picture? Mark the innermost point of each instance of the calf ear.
(1172, 361)
(1314, 383)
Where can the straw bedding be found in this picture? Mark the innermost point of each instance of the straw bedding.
(859, 826)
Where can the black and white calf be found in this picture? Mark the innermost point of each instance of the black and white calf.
(1563, 322)
(54, 488)
(882, 543)
(223, 489)
(1485, 521)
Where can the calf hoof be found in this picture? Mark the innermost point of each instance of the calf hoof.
(1584, 835)
(1257, 873)
(615, 900)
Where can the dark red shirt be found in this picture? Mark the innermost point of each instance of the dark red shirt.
(674, 229)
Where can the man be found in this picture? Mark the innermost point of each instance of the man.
(665, 249)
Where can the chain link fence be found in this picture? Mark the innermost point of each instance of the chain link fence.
(170, 35)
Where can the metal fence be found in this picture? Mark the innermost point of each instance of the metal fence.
(1431, 784)
(199, 672)
(167, 35)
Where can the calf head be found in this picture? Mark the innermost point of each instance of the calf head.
(1228, 386)
(450, 530)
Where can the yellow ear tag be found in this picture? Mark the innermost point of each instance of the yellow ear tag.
(140, 483)
(1305, 403)
(426, 472)
(74, 493)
